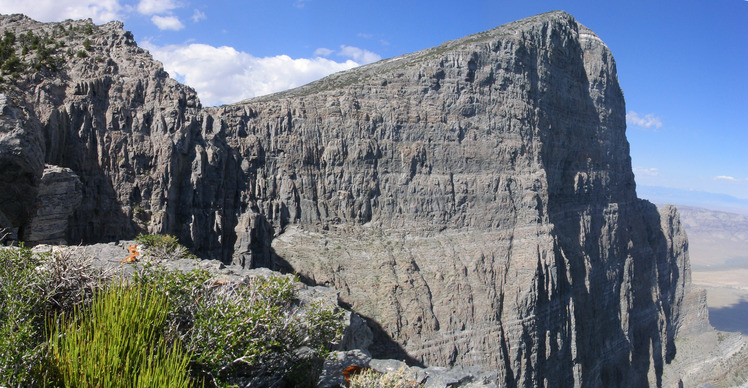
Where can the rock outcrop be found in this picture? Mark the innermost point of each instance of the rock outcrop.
(58, 196)
(21, 166)
(474, 201)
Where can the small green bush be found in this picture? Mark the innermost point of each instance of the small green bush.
(401, 378)
(13, 65)
(163, 247)
(54, 307)
(118, 342)
(157, 240)
(183, 290)
(33, 286)
(21, 315)
(245, 333)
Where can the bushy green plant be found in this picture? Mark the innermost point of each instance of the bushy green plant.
(157, 240)
(401, 378)
(12, 65)
(249, 332)
(261, 310)
(31, 287)
(183, 289)
(252, 333)
(163, 247)
(119, 342)
(21, 315)
(6, 45)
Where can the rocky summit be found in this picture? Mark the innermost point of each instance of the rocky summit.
(474, 202)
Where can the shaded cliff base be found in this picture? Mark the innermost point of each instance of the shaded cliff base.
(711, 357)
(728, 309)
(705, 356)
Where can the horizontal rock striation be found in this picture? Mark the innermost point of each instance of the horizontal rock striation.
(58, 196)
(474, 201)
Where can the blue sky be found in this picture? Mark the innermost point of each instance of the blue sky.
(683, 65)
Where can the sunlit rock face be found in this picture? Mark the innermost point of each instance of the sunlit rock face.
(474, 201)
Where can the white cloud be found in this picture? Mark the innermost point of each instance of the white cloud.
(725, 178)
(364, 35)
(322, 52)
(150, 7)
(100, 11)
(224, 75)
(198, 15)
(167, 22)
(646, 171)
(300, 3)
(649, 120)
(357, 54)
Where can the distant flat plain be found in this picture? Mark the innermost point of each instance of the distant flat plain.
(718, 246)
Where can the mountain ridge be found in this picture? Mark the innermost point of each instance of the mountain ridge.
(383, 66)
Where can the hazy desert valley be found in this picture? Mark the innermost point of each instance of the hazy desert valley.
(718, 243)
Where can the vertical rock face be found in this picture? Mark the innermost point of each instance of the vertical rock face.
(21, 166)
(59, 195)
(474, 201)
(477, 201)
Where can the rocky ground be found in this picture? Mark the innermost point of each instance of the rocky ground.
(353, 348)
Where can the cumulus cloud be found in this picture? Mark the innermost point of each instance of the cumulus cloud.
(646, 171)
(198, 15)
(726, 178)
(100, 11)
(167, 22)
(648, 121)
(224, 75)
(150, 7)
(359, 55)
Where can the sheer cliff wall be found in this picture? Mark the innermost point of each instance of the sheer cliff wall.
(475, 201)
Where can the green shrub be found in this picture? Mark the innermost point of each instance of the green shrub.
(33, 286)
(252, 333)
(21, 316)
(245, 333)
(401, 378)
(163, 247)
(183, 290)
(261, 311)
(81, 54)
(12, 65)
(119, 342)
(157, 240)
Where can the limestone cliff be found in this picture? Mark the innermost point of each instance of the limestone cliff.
(475, 201)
